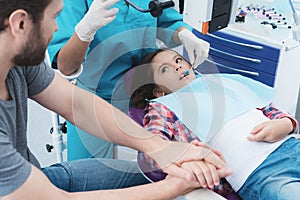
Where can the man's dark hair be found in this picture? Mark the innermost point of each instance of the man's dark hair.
(35, 9)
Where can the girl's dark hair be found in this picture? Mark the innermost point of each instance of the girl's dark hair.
(142, 82)
(35, 9)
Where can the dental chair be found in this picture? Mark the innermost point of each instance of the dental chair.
(153, 174)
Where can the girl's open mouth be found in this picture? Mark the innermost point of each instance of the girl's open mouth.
(184, 74)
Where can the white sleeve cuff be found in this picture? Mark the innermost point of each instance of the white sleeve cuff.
(72, 76)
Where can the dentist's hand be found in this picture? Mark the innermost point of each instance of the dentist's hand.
(97, 16)
(197, 49)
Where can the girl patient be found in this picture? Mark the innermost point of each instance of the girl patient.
(231, 113)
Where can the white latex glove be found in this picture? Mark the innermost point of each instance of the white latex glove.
(197, 48)
(97, 16)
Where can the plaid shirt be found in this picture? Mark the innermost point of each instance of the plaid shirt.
(162, 121)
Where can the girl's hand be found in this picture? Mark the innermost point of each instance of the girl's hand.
(272, 130)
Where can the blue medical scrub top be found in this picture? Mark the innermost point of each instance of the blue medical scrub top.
(117, 45)
(111, 54)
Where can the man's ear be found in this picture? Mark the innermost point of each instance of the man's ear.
(157, 92)
(18, 20)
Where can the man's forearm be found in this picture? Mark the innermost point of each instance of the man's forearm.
(96, 116)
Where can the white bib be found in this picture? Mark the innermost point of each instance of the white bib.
(211, 100)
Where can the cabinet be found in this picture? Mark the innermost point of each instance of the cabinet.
(271, 57)
(232, 54)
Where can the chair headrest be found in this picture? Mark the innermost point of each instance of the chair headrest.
(137, 115)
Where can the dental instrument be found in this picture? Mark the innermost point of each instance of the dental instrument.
(156, 7)
(296, 28)
(187, 72)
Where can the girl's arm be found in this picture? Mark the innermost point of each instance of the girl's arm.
(272, 112)
(279, 126)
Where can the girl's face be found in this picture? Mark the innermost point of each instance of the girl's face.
(169, 71)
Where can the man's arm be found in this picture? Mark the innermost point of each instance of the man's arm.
(38, 187)
(96, 116)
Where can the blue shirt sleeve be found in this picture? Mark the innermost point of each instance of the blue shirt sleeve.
(168, 23)
(73, 11)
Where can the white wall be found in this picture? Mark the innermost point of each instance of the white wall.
(39, 124)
